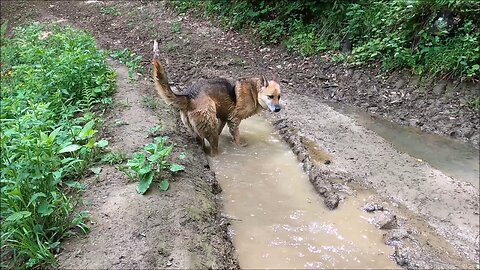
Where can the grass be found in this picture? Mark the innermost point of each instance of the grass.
(176, 28)
(52, 79)
(109, 11)
(150, 102)
(130, 59)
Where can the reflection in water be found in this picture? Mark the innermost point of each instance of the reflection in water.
(278, 220)
(453, 157)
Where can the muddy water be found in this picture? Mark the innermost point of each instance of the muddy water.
(454, 158)
(278, 220)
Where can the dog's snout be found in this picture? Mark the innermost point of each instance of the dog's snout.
(277, 109)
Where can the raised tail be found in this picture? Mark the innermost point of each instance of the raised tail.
(161, 83)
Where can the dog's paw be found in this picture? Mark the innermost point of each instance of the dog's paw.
(240, 143)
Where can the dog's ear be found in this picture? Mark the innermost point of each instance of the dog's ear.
(276, 78)
(264, 81)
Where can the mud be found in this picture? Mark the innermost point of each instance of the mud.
(436, 217)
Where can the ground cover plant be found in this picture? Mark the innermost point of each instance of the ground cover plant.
(436, 38)
(148, 165)
(53, 78)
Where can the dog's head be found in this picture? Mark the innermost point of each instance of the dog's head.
(269, 94)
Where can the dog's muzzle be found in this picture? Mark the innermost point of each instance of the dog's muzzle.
(276, 109)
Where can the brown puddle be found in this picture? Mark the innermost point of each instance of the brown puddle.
(278, 220)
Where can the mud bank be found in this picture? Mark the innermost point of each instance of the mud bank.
(416, 244)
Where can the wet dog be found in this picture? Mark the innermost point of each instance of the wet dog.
(208, 105)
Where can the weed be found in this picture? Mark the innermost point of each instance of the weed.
(176, 28)
(153, 132)
(109, 11)
(113, 158)
(171, 46)
(119, 122)
(238, 61)
(130, 59)
(147, 166)
(150, 102)
(50, 74)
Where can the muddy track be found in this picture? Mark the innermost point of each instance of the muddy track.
(435, 214)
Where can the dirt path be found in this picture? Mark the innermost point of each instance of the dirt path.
(134, 231)
(435, 214)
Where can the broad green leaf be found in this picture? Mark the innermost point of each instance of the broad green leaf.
(154, 158)
(91, 142)
(176, 167)
(54, 133)
(75, 184)
(165, 152)
(101, 143)
(96, 170)
(43, 137)
(70, 148)
(164, 184)
(57, 176)
(87, 130)
(45, 209)
(36, 196)
(144, 182)
(145, 169)
(137, 161)
(18, 215)
(151, 148)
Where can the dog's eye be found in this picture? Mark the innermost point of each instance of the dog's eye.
(270, 96)
(279, 97)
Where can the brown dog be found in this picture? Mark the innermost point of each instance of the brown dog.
(210, 104)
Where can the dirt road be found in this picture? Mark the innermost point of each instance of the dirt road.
(435, 214)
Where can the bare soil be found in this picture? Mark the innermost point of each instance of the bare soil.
(431, 219)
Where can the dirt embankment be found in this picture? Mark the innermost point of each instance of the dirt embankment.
(335, 150)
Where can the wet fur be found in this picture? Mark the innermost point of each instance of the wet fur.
(209, 105)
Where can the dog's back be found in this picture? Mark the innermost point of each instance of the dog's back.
(219, 91)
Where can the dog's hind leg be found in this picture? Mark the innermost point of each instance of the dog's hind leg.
(213, 141)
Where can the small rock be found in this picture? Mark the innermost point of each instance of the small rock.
(372, 206)
(395, 236)
(386, 221)
(332, 200)
(399, 84)
(439, 88)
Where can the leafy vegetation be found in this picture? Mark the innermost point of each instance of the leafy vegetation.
(130, 59)
(148, 165)
(52, 78)
(427, 37)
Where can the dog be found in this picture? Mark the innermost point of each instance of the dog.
(210, 104)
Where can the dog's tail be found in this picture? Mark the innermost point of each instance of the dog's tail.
(161, 83)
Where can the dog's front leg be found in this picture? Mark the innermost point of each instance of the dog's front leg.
(233, 126)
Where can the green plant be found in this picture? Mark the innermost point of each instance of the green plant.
(50, 74)
(147, 166)
(150, 102)
(114, 157)
(130, 59)
(154, 130)
(176, 28)
(109, 11)
(171, 46)
(428, 37)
